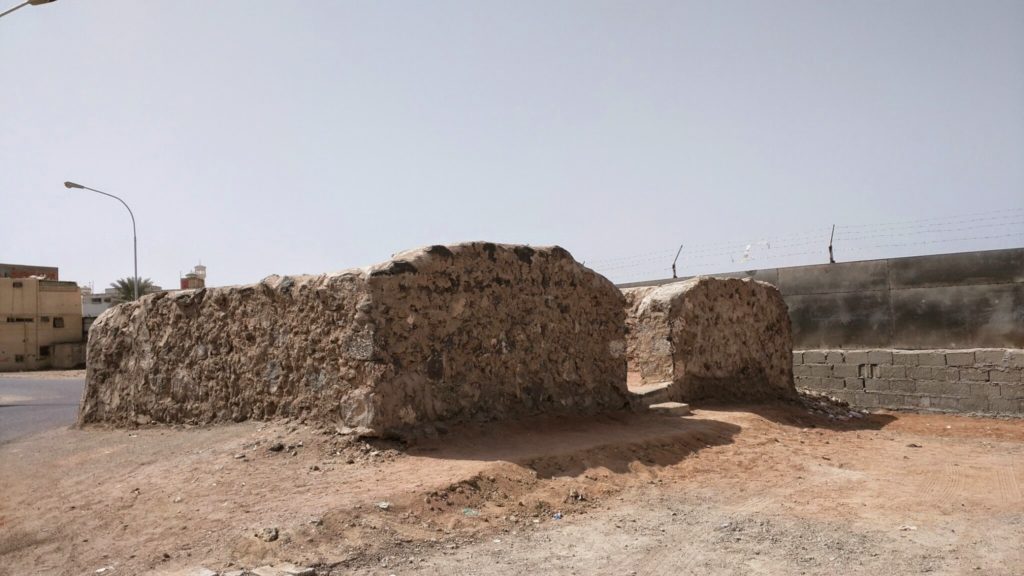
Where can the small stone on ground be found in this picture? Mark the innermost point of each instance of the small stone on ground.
(671, 408)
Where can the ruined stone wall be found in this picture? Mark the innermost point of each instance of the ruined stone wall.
(713, 338)
(441, 334)
(648, 336)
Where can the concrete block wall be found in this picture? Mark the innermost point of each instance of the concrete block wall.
(986, 380)
(945, 301)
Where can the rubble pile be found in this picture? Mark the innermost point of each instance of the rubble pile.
(829, 406)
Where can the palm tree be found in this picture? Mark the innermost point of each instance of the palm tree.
(125, 288)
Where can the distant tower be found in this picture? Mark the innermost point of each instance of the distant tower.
(194, 279)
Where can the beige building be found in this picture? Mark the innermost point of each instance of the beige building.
(40, 324)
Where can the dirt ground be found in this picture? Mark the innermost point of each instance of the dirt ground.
(753, 490)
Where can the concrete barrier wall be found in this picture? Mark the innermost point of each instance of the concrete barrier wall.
(946, 301)
(987, 381)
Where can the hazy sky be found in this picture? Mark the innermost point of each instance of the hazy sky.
(288, 137)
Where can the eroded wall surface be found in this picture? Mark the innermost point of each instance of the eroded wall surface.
(713, 338)
(439, 334)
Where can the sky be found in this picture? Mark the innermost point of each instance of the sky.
(262, 137)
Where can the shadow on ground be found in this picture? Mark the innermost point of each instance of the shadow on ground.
(567, 446)
(798, 414)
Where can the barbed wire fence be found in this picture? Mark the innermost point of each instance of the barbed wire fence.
(858, 241)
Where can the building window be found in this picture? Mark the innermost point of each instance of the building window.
(18, 319)
(44, 318)
(44, 351)
(17, 284)
(19, 358)
(58, 322)
(97, 300)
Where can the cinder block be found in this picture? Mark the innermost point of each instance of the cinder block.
(959, 358)
(808, 383)
(993, 357)
(855, 384)
(958, 389)
(890, 371)
(905, 357)
(1015, 358)
(834, 357)
(864, 370)
(890, 400)
(1005, 406)
(856, 356)
(814, 356)
(880, 357)
(845, 371)
(973, 404)
(947, 374)
(984, 390)
(925, 402)
(801, 370)
(864, 399)
(911, 401)
(1011, 391)
(798, 357)
(873, 385)
(974, 374)
(930, 387)
(1004, 376)
(905, 386)
(833, 383)
(945, 403)
(920, 372)
(820, 370)
(931, 358)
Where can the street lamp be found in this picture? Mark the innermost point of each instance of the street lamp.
(135, 241)
(27, 3)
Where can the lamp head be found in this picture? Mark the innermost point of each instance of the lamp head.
(72, 185)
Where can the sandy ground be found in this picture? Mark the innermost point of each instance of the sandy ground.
(760, 490)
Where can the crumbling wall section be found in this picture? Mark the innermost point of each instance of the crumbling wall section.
(440, 334)
(713, 338)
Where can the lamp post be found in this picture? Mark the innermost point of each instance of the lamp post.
(26, 3)
(135, 242)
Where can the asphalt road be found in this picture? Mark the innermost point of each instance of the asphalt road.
(30, 405)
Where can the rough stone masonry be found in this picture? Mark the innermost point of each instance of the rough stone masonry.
(438, 334)
(712, 338)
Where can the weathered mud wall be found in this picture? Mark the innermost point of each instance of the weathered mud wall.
(440, 334)
(713, 338)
